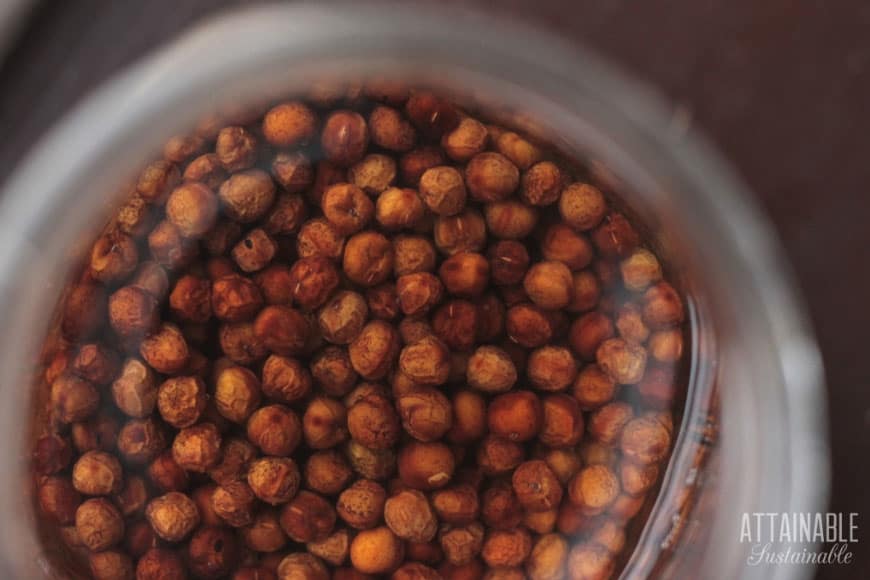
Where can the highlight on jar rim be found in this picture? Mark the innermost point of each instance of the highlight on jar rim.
(392, 297)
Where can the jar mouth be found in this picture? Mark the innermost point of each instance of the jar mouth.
(774, 414)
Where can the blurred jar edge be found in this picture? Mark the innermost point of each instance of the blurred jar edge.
(752, 345)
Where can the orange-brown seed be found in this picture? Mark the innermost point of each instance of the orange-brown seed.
(506, 547)
(516, 416)
(275, 429)
(536, 486)
(376, 551)
(426, 466)
(288, 124)
(491, 177)
(193, 208)
(582, 206)
(368, 258)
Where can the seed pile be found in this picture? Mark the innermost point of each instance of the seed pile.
(356, 336)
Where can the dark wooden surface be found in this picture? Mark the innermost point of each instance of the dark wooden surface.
(781, 86)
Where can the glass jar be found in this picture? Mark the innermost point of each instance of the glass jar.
(753, 429)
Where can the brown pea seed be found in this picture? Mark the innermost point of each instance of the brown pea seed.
(594, 488)
(412, 254)
(282, 330)
(275, 429)
(506, 548)
(458, 505)
(193, 208)
(235, 455)
(528, 325)
(166, 350)
(465, 141)
(97, 473)
(645, 440)
(166, 474)
(332, 371)
(426, 413)
(426, 362)
(623, 361)
(547, 558)
(662, 306)
(140, 440)
(58, 500)
(157, 180)
(614, 237)
(99, 524)
(666, 346)
(373, 174)
(409, 515)
(110, 564)
(431, 114)
(236, 393)
(413, 164)
(288, 124)
(368, 258)
(541, 184)
(113, 257)
(205, 169)
(181, 400)
(197, 448)
(212, 552)
(462, 544)
(73, 399)
(265, 533)
(562, 423)
(426, 466)
(374, 349)
(510, 219)
(588, 332)
(81, 310)
(313, 280)
(376, 551)
(399, 208)
(593, 387)
(255, 251)
(52, 453)
(516, 416)
(549, 285)
(590, 560)
(235, 148)
(465, 274)
(469, 417)
(491, 370)
(344, 138)
(308, 517)
(233, 502)
(497, 455)
(582, 206)
(361, 505)
(160, 563)
(334, 549)
(390, 131)
(508, 262)
(172, 516)
(491, 177)
(372, 422)
(520, 151)
(133, 312)
(347, 208)
(536, 486)
(327, 472)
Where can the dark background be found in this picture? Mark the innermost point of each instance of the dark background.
(781, 86)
